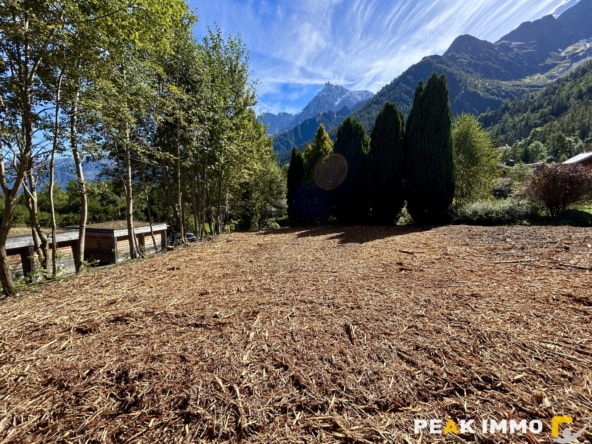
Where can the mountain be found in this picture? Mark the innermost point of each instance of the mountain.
(482, 75)
(65, 171)
(276, 123)
(562, 107)
(332, 98)
(305, 132)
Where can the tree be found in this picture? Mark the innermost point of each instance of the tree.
(475, 159)
(127, 81)
(128, 98)
(261, 196)
(28, 33)
(559, 187)
(316, 152)
(295, 182)
(226, 113)
(535, 152)
(314, 200)
(350, 196)
(560, 148)
(430, 162)
(387, 165)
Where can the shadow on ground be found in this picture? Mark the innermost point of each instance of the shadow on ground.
(350, 234)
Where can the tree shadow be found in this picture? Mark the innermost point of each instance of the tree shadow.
(351, 234)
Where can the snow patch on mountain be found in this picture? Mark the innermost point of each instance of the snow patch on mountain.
(330, 98)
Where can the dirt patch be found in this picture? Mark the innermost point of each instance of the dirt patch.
(325, 334)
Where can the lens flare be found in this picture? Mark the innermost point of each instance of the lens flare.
(330, 172)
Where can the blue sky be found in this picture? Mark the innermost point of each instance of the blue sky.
(296, 46)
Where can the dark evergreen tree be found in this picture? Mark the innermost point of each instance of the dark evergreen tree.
(312, 198)
(350, 198)
(316, 152)
(430, 162)
(387, 165)
(295, 182)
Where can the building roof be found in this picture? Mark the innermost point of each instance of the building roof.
(580, 158)
(17, 242)
(117, 231)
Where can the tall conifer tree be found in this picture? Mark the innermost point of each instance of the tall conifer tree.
(317, 151)
(387, 165)
(430, 163)
(350, 198)
(295, 182)
(314, 205)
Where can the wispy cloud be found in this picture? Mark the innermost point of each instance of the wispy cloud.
(364, 44)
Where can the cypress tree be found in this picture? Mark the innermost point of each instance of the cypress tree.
(313, 200)
(295, 182)
(350, 198)
(430, 163)
(387, 165)
(317, 151)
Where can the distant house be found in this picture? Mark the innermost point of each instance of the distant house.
(20, 252)
(582, 159)
(108, 243)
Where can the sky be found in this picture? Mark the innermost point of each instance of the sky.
(296, 46)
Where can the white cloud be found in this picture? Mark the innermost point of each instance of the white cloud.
(361, 43)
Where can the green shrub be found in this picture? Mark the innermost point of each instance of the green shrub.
(405, 218)
(283, 221)
(495, 212)
(269, 224)
(502, 188)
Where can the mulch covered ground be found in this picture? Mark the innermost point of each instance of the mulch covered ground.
(325, 334)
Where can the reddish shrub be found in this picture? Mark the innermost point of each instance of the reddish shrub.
(559, 187)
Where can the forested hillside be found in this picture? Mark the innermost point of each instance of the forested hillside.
(563, 107)
(482, 75)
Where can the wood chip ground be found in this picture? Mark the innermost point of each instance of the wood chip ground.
(326, 334)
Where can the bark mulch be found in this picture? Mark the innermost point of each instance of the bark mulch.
(328, 334)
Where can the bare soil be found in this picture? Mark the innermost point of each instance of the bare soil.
(326, 334)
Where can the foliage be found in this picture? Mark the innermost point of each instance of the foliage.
(475, 159)
(520, 175)
(387, 165)
(502, 188)
(309, 179)
(560, 187)
(430, 162)
(129, 82)
(305, 132)
(495, 212)
(350, 196)
(512, 181)
(261, 197)
(316, 152)
(294, 184)
(560, 111)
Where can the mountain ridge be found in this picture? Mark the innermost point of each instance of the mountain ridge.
(331, 98)
(481, 75)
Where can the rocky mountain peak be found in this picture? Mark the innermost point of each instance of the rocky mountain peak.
(332, 98)
(329, 98)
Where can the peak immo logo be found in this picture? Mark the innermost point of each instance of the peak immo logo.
(566, 435)
(504, 426)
